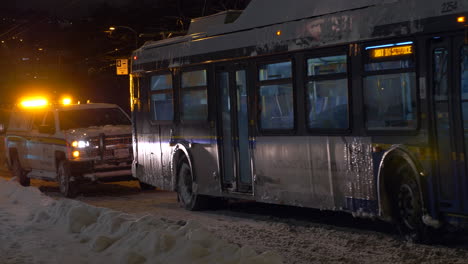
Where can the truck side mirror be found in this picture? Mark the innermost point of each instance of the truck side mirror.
(46, 129)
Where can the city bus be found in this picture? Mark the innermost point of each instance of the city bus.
(355, 106)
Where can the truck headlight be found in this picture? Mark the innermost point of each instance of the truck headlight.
(80, 144)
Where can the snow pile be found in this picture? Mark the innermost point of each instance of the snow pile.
(99, 234)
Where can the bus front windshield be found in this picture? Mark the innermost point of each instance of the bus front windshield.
(83, 118)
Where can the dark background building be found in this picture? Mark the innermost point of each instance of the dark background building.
(57, 47)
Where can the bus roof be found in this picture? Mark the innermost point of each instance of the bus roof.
(267, 24)
(260, 13)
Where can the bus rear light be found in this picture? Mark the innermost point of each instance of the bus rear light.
(461, 19)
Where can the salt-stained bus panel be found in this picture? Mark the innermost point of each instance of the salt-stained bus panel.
(333, 173)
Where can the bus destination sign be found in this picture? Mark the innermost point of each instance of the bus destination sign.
(391, 51)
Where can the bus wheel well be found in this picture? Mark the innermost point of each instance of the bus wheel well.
(178, 156)
(389, 182)
(186, 185)
(401, 197)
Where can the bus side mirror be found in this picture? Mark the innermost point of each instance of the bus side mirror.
(2, 129)
(46, 129)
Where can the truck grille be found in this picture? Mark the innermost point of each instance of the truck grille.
(110, 141)
(106, 146)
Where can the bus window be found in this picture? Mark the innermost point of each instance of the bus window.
(275, 71)
(194, 96)
(162, 97)
(440, 78)
(390, 88)
(389, 65)
(327, 98)
(464, 72)
(326, 65)
(276, 96)
(464, 90)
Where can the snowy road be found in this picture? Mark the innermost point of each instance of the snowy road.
(297, 235)
(39, 229)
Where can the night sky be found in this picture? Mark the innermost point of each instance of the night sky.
(58, 47)
(69, 9)
(62, 47)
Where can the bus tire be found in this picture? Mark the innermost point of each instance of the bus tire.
(186, 195)
(408, 206)
(19, 173)
(66, 186)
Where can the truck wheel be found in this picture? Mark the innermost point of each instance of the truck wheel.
(409, 207)
(66, 186)
(19, 173)
(186, 195)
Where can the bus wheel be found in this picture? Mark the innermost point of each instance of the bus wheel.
(19, 173)
(409, 206)
(186, 195)
(66, 186)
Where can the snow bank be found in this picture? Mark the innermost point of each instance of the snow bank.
(120, 237)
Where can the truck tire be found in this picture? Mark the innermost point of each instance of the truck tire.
(18, 172)
(66, 186)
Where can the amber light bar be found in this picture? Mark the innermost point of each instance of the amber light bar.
(34, 102)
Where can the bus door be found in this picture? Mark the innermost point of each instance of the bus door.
(449, 83)
(235, 149)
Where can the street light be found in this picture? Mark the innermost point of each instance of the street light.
(113, 28)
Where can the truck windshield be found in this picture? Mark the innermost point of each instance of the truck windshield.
(82, 118)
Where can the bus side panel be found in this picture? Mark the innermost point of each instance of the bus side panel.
(319, 172)
(166, 156)
(287, 172)
(148, 148)
(148, 159)
(355, 164)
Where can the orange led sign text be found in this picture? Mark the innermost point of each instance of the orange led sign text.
(391, 51)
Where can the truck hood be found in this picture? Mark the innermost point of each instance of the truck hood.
(109, 130)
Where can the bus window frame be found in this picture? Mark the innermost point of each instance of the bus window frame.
(151, 92)
(292, 80)
(306, 79)
(416, 69)
(180, 72)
